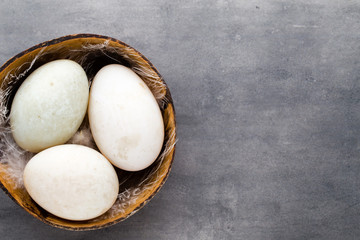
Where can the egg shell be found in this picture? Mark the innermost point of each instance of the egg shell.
(125, 119)
(50, 105)
(72, 182)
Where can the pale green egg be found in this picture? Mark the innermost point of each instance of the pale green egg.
(50, 105)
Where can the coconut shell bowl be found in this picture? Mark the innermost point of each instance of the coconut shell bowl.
(92, 52)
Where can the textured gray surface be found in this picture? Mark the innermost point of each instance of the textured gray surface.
(267, 96)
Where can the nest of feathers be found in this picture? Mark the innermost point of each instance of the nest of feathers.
(91, 57)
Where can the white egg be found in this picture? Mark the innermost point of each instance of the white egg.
(125, 119)
(72, 182)
(50, 105)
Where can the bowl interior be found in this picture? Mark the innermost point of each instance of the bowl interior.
(93, 52)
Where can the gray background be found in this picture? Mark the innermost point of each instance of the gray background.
(267, 95)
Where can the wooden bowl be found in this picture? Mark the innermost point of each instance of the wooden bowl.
(94, 52)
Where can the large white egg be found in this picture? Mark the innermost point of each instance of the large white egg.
(72, 182)
(50, 105)
(125, 119)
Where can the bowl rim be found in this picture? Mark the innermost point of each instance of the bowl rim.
(169, 102)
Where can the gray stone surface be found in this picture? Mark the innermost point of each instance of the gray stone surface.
(267, 95)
